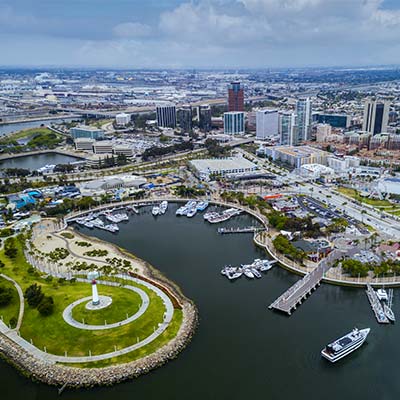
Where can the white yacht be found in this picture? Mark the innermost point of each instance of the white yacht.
(382, 295)
(345, 345)
(202, 205)
(191, 212)
(248, 273)
(256, 273)
(163, 207)
(155, 211)
(389, 313)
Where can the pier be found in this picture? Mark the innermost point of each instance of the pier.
(376, 305)
(248, 229)
(297, 293)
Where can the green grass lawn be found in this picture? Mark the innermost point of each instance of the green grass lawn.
(124, 302)
(372, 202)
(12, 310)
(58, 337)
(164, 338)
(24, 134)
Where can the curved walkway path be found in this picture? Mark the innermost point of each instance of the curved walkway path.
(67, 245)
(52, 358)
(21, 301)
(69, 319)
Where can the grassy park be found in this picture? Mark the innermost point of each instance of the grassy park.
(382, 205)
(9, 313)
(51, 332)
(124, 302)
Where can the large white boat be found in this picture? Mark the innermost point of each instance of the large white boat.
(389, 313)
(382, 295)
(191, 212)
(345, 345)
(202, 205)
(248, 273)
(163, 207)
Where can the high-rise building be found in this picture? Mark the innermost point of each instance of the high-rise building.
(287, 127)
(235, 97)
(303, 111)
(376, 116)
(184, 116)
(84, 131)
(334, 120)
(166, 116)
(234, 123)
(204, 113)
(267, 122)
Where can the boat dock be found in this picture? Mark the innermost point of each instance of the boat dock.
(248, 229)
(297, 293)
(390, 301)
(376, 305)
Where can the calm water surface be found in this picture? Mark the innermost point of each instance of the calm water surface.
(10, 128)
(37, 161)
(241, 349)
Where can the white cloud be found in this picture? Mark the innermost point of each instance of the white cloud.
(132, 30)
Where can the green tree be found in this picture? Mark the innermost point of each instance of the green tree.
(46, 306)
(34, 295)
(6, 295)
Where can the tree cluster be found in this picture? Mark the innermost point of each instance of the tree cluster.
(293, 224)
(161, 151)
(215, 149)
(10, 248)
(6, 295)
(37, 299)
(284, 246)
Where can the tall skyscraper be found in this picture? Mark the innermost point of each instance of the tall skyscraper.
(287, 128)
(267, 122)
(166, 116)
(234, 123)
(204, 113)
(376, 116)
(235, 97)
(303, 111)
(184, 116)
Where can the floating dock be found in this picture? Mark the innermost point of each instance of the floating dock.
(376, 305)
(248, 229)
(297, 293)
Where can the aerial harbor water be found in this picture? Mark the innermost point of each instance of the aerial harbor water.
(241, 349)
(18, 126)
(34, 162)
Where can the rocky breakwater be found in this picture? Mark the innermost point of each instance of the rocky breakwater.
(71, 377)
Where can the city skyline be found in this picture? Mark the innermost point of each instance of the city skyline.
(200, 34)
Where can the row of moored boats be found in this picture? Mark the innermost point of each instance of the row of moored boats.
(160, 209)
(216, 217)
(251, 271)
(379, 301)
(191, 208)
(93, 220)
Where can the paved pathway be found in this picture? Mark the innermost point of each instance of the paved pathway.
(52, 358)
(69, 319)
(21, 301)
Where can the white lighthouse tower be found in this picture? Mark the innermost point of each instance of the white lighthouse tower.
(95, 294)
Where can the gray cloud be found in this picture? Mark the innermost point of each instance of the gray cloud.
(254, 33)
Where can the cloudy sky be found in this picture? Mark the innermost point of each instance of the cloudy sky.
(199, 33)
